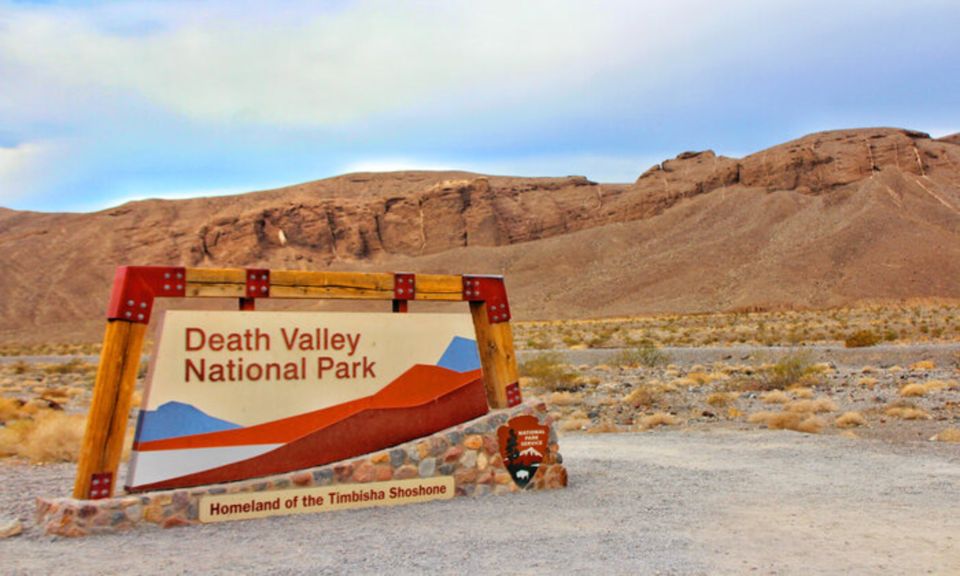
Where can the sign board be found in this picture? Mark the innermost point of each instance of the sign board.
(226, 507)
(234, 395)
(523, 444)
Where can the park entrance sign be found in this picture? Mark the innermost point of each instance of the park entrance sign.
(249, 413)
(240, 394)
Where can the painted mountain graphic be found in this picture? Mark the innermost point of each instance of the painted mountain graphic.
(423, 400)
(418, 385)
(461, 355)
(177, 419)
(529, 458)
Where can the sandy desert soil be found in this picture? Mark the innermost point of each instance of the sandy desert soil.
(668, 502)
(680, 477)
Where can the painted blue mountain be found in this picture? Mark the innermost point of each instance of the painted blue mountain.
(461, 355)
(177, 419)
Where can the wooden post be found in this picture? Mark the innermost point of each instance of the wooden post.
(497, 357)
(110, 408)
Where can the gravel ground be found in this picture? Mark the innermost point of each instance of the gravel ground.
(668, 502)
(882, 356)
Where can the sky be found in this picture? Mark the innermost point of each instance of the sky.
(108, 101)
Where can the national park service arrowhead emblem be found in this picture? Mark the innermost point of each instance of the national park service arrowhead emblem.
(523, 445)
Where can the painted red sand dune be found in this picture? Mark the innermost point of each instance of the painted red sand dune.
(391, 417)
(418, 385)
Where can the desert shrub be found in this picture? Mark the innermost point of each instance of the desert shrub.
(796, 421)
(941, 385)
(49, 437)
(20, 367)
(55, 437)
(721, 399)
(655, 420)
(930, 386)
(598, 340)
(11, 436)
(906, 411)
(646, 355)
(775, 397)
(868, 382)
(10, 408)
(642, 397)
(811, 406)
(571, 340)
(537, 343)
(565, 399)
(702, 378)
(550, 371)
(948, 435)
(862, 339)
(850, 420)
(923, 365)
(56, 394)
(74, 366)
(912, 390)
(789, 370)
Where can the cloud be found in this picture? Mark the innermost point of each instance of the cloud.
(25, 167)
(599, 167)
(171, 194)
(394, 165)
(151, 97)
(596, 167)
(308, 67)
(367, 61)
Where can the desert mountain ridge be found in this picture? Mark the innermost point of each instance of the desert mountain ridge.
(829, 219)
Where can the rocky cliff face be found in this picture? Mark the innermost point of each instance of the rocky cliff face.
(331, 221)
(820, 213)
(447, 214)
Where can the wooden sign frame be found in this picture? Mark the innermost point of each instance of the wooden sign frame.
(135, 289)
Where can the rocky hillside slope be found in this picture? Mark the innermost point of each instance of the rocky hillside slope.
(828, 219)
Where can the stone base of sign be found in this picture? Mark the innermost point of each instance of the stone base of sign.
(468, 452)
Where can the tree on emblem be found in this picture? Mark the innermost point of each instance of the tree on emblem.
(512, 452)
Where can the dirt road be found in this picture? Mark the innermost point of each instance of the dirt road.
(666, 502)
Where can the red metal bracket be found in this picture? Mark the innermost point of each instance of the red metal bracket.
(135, 287)
(101, 485)
(258, 283)
(513, 394)
(404, 286)
(489, 289)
